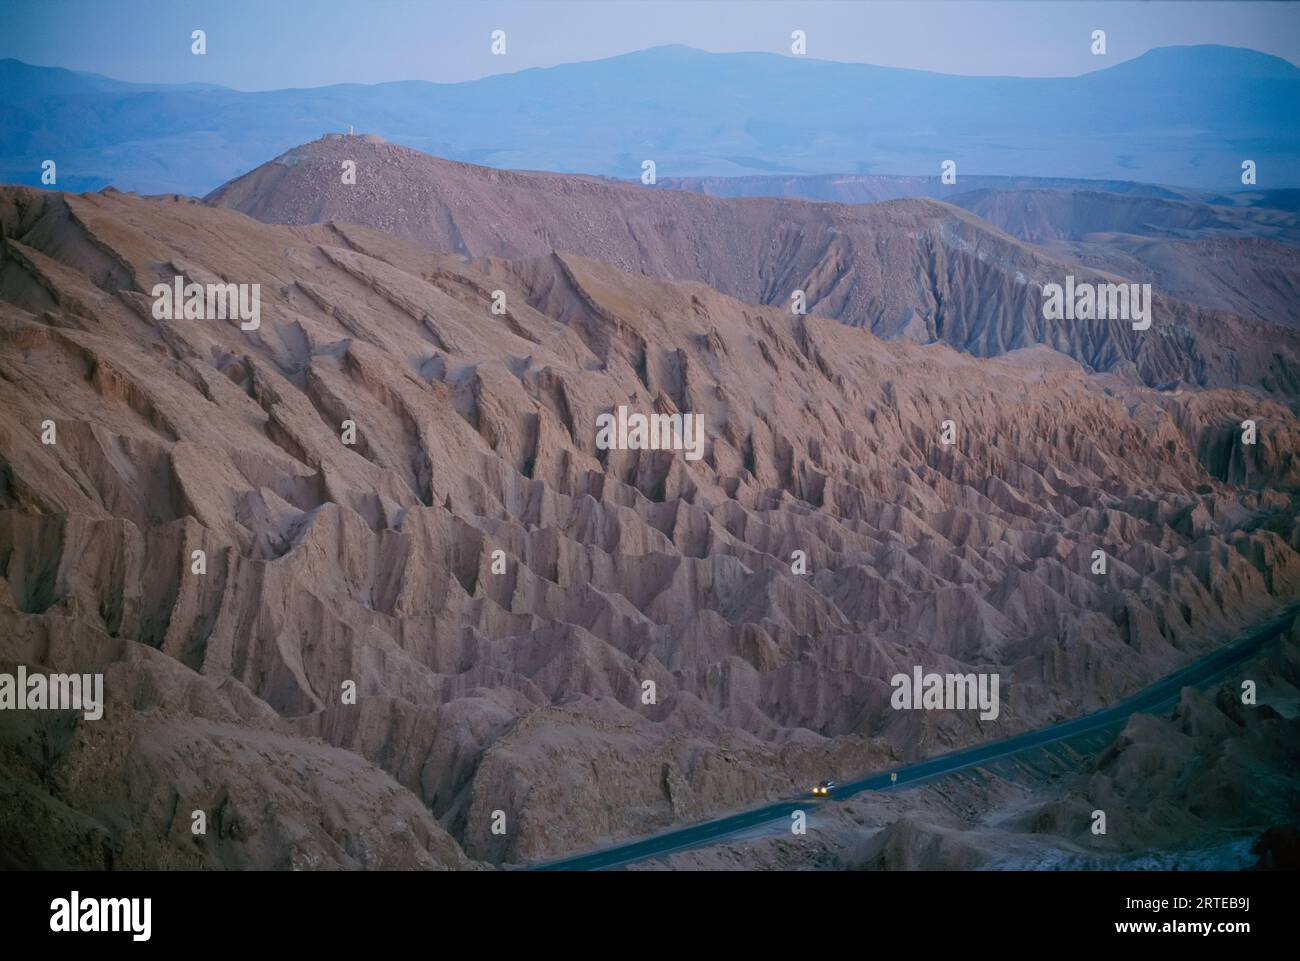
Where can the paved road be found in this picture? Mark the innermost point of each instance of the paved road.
(1163, 693)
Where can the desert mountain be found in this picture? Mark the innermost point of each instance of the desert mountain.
(516, 682)
(917, 268)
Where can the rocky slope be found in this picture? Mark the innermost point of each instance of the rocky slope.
(1227, 253)
(916, 268)
(518, 689)
(1223, 252)
(1239, 259)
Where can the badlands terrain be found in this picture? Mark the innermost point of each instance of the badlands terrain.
(514, 682)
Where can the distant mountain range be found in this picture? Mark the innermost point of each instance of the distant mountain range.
(1185, 116)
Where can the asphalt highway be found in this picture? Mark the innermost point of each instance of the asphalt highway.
(1163, 693)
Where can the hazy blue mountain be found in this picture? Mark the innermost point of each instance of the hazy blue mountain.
(1184, 116)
